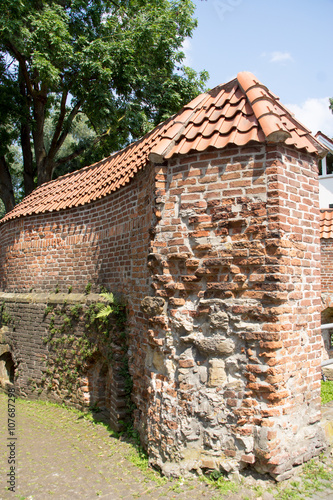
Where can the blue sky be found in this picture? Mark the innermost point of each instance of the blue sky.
(287, 44)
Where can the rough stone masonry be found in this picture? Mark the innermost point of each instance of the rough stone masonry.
(235, 351)
(216, 254)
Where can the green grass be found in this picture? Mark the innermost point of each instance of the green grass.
(313, 469)
(139, 458)
(326, 391)
(258, 489)
(316, 476)
(219, 482)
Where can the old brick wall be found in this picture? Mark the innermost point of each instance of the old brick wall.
(326, 245)
(293, 195)
(71, 248)
(234, 359)
(104, 243)
(56, 357)
(326, 250)
(225, 351)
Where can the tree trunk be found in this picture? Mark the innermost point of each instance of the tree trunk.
(28, 169)
(38, 135)
(6, 186)
(45, 170)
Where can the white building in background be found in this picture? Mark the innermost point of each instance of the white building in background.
(326, 173)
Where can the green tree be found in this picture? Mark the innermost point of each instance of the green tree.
(116, 64)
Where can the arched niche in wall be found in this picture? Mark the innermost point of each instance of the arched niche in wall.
(102, 387)
(107, 391)
(99, 376)
(7, 369)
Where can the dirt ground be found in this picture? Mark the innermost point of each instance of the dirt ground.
(62, 455)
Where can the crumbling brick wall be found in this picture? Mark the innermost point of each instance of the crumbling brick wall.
(326, 250)
(56, 357)
(326, 245)
(221, 251)
(101, 244)
(234, 359)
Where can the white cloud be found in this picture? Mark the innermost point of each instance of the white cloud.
(186, 48)
(276, 57)
(314, 114)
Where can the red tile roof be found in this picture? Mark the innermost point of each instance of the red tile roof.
(235, 113)
(326, 223)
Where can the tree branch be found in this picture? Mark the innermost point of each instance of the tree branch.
(23, 67)
(57, 132)
(68, 124)
(28, 170)
(79, 151)
(6, 186)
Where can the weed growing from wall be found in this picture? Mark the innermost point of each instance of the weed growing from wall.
(76, 337)
(98, 318)
(67, 352)
(5, 318)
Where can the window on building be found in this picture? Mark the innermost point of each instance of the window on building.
(329, 164)
(325, 165)
(320, 167)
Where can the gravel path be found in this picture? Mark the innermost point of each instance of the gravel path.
(61, 455)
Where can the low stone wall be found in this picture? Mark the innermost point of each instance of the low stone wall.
(60, 352)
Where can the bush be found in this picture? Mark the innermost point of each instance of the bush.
(326, 391)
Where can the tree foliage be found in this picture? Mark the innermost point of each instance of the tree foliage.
(113, 67)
